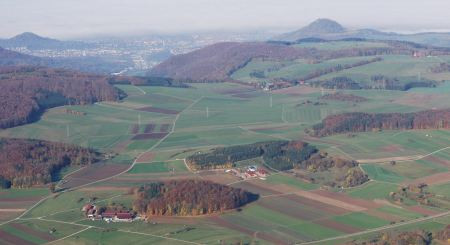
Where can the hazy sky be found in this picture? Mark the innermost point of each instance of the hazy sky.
(83, 18)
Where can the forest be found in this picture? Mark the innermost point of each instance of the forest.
(188, 198)
(363, 122)
(26, 162)
(280, 155)
(28, 90)
(376, 82)
(347, 174)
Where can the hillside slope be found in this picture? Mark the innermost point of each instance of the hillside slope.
(32, 41)
(27, 91)
(216, 62)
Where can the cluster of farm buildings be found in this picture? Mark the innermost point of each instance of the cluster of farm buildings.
(249, 172)
(94, 213)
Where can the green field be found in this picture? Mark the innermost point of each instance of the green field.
(361, 220)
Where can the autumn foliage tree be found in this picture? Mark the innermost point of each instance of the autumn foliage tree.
(188, 197)
(28, 90)
(362, 122)
(25, 162)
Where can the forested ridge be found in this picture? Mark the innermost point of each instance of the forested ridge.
(215, 63)
(27, 162)
(362, 122)
(27, 91)
(188, 197)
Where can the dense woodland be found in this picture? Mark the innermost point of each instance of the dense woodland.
(347, 173)
(27, 91)
(280, 155)
(26, 162)
(361, 122)
(188, 197)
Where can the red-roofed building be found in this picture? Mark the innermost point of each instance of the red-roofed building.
(87, 207)
(128, 217)
(261, 172)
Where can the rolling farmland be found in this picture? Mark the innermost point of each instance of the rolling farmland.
(151, 132)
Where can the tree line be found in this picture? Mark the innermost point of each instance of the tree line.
(26, 162)
(442, 67)
(188, 198)
(376, 82)
(280, 155)
(362, 122)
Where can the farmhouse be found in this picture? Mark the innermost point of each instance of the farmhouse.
(249, 172)
(93, 213)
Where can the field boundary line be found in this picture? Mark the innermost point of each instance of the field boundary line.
(178, 98)
(267, 135)
(73, 234)
(158, 236)
(406, 158)
(121, 230)
(140, 89)
(379, 228)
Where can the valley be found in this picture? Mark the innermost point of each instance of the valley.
(309, 140)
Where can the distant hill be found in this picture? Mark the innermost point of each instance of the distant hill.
(35, 42)
(315, 29)
(86, 64)
(216, 62)
(8, 57)
(331, 30)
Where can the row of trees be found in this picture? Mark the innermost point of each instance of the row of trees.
(26, 162)
(27, 91)
(417, 237)
(344, 97)
(442, 67)
(339, 67)
(376, 82)
(281, 155)
(188, 197)
(361, 122)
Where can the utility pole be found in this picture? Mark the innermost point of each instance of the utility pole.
(207, 112)
(271, 102)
